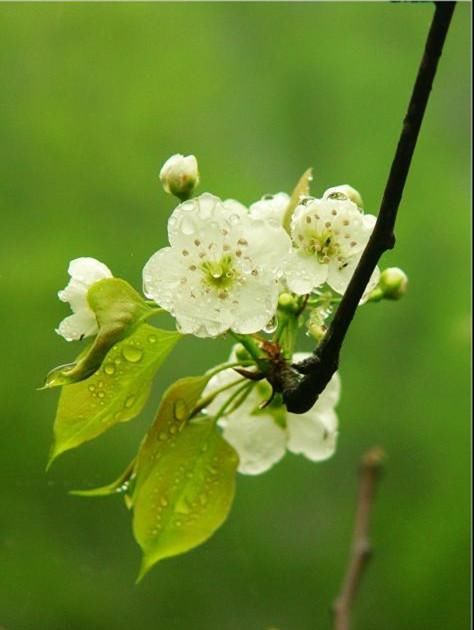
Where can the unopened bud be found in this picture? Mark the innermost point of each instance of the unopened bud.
(393, 283)
(179, 175)
(288, 303)
(344, 192)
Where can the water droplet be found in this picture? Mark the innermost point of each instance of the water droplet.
(163, 502)
(271, 326)
(91, 388)
(152, 339)
(129, 402)
(100, 394)
(109, 368)
(133, 354)
(163, 436)
(180, 410)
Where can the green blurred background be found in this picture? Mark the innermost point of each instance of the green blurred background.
(94, 98)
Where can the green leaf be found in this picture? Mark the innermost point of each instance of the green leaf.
(301, 190)
(185, 478)
(119, 309)
(115, 393)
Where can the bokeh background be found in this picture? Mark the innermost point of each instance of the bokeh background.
(94, 98)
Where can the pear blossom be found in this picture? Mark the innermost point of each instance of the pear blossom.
(262, 436)
(270, 207)
(329, 236)
(179, 175)
(84, 273)
(222, 270)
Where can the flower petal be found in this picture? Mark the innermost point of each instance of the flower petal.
(77, 326)
(270, 207)
(88, 270)
(258, 440)
(313, 434)
(304, 273)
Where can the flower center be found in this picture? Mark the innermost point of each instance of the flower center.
(218, 275)
(323, 245)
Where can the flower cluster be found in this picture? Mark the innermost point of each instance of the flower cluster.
(258, 274)
(226, 264)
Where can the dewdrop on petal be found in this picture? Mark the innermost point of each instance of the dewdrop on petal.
(179, 175)
(344, 192)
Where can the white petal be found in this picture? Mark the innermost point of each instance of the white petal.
(253, 304)
(339, 275)
(268, 246)
(330, 396)
(162, 276)
(81, 324)
(201, 322)
(234, 207)
(197, 219)
(258, 440)
(75, 294)
(304, 273)
(88, 270)
(271, 207)
(312, 434)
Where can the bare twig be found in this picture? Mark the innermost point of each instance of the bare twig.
(371, 466)
(300, 394)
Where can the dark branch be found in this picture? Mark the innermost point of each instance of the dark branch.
(370, 469)
(300, 394)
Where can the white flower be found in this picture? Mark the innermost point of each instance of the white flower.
(261, 436)
(179, 175)
(329, 236)
(222, 270)
(270, 207)
(84, 273)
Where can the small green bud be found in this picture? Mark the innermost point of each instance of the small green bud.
(288, 303)
(179, 175)
(344, 192)
(393, 283)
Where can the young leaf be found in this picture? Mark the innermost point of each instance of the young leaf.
(119, 309)
(177, 404)
(301, 190)
(118, 486)
(185, 478)
(115, 393)
(187, 494)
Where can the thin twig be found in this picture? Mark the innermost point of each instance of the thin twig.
(370, 469)
(301, 394)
